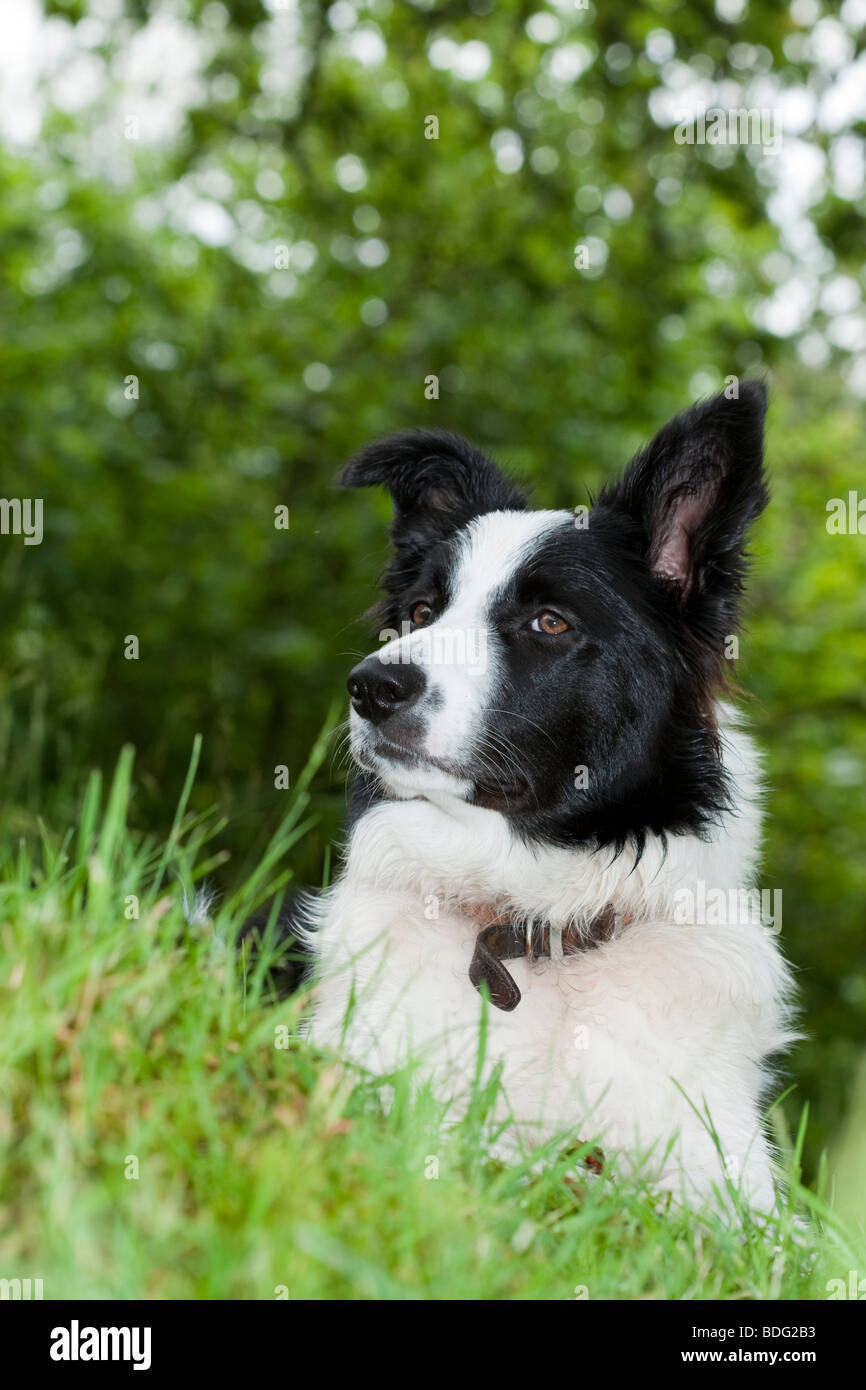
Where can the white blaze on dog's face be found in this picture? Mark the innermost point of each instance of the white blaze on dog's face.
(563, 674)
(438, 736)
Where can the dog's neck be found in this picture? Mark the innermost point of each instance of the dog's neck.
(448, 854)
(504, 939)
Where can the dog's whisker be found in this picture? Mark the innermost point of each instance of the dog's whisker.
(515, 714)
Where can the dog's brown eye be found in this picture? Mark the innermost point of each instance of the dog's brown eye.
(421, 614)
(550, 623)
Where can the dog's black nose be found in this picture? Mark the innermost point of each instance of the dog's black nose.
(378, 690)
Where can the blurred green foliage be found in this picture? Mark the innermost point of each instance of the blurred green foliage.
(283, 270)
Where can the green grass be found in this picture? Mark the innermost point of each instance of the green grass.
(140, 1044)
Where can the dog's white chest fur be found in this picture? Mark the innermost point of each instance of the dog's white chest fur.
(648, 1042)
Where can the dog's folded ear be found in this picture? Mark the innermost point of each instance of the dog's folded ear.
(693, 493)
(437, 481)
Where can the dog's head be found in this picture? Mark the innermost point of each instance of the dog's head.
(561, 667)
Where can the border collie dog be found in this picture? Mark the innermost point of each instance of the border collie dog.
(548, 773)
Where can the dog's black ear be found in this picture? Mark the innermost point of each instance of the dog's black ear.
(693, 493)
(437, 481)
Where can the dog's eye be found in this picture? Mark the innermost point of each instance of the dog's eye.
(549, 623)
(421, 614)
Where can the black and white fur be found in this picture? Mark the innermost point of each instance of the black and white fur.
(656, 1042)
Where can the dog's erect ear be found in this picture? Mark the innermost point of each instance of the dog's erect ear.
(694, 492)
(437, 481)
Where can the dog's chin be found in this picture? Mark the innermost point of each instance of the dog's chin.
(408, 772)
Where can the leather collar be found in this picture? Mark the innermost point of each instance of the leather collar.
(503, 939)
